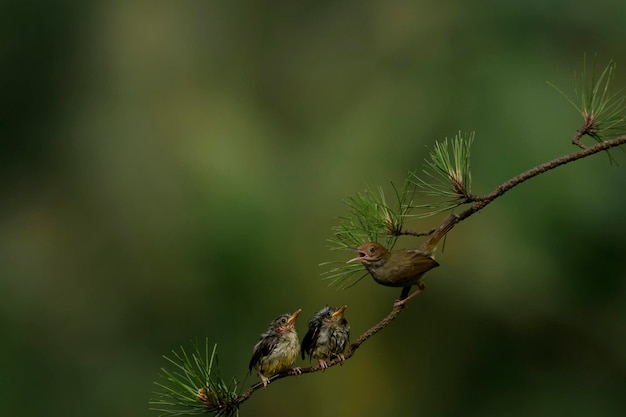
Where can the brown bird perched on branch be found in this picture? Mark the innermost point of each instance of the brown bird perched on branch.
(327, 337)
(403, 267)
(277, 348)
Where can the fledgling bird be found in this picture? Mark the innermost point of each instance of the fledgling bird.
(277, 348)
(328, 335)
(403, 267)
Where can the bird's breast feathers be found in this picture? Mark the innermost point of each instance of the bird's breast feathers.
(282, 357)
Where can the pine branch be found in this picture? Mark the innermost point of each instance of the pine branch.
(483, 201)
(480, 202)
(211, 394)
(447, 178)
(602, 111)
(447, 175)
(195, 387)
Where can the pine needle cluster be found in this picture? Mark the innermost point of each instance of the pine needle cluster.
(194, 385)
(601, 109)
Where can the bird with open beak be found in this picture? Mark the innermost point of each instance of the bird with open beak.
(277, 348)
(402, 267)
(327, 337)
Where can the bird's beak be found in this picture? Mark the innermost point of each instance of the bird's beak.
(294, 316)
(358, 258)
(339, 312)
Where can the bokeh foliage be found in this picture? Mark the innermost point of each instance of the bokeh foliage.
(171, 170)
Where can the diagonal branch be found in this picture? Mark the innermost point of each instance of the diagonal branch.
(479, 202)
(483, 201)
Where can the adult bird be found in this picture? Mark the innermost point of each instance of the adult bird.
(403, 267)
(327, 337)
(277, 348)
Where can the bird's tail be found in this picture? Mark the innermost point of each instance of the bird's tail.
(430, 245)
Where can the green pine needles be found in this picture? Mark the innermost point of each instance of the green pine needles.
(370, 218)
(373, 218)
(194, 385)
(447, 176)
(602, 110)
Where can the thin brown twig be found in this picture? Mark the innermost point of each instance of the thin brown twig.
(479, 202)
(412, 233)
(482, 202)
(576, 140)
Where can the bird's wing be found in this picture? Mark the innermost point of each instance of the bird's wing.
(264, 347)
(420, 257)
(310, 339)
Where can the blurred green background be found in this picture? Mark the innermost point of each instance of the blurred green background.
(171, 170)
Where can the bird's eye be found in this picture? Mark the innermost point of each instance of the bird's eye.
(283, 320)
(372, 249)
